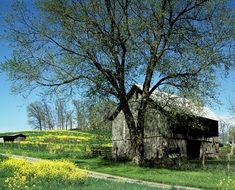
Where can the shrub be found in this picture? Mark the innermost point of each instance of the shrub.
(42, 174)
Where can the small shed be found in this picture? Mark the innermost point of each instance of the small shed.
(13, 137)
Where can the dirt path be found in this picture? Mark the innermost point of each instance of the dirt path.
(136, 181)
(99, 175)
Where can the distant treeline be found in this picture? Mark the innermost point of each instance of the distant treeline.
(64, 115)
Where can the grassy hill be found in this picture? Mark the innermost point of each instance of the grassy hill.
(56, 144)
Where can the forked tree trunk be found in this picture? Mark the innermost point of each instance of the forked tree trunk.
(136, 130)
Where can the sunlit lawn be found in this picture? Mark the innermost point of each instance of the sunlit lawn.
(97, 184)
(191, 175)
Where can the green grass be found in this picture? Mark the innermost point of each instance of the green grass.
(98, 184)
(56, 144)
(190, 175)
(75, 146)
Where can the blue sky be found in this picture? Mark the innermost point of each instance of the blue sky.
(13, 115)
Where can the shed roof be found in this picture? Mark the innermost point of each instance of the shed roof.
(171, 99)
(13, 135)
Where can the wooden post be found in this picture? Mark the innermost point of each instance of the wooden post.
(116, 154)
(203, 154)
(228, 162)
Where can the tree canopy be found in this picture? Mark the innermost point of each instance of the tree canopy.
(113, 44)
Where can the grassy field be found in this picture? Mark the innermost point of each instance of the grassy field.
(189, 174)
(76, 146)
(57, 144)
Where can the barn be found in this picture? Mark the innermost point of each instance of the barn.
(189, 133)
(13, 137)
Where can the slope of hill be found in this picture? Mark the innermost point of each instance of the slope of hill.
(56, 144)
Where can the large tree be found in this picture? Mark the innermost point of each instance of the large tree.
(99, 113)
(64, 116)
(107, 45)
(36, 115)
(40, 116)
(49, 116)
(81, 113)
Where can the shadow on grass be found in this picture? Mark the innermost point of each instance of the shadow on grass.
(182, 165)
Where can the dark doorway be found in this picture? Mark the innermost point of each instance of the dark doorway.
(193, 149)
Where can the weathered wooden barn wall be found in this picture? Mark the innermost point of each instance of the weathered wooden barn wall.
(154, 130)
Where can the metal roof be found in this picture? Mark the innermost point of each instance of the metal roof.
(12, 135)
(172, 99)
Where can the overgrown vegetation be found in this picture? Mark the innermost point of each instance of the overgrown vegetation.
(22, 175)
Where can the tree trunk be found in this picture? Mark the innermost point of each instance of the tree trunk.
(136, 136)
(140, 154)
(40, 125)
(136, 130)
(71, 123)
(137, 147)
